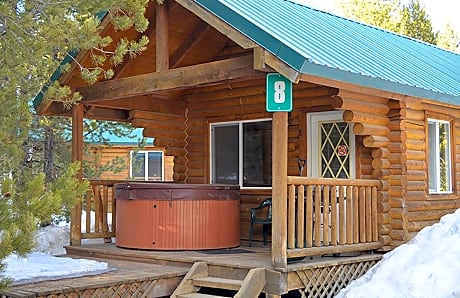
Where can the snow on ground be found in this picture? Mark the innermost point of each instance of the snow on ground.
(427, 266)
(44, 264)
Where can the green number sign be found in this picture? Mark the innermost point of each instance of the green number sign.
(279, 93)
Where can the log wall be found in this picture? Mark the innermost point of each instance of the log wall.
(423, 209)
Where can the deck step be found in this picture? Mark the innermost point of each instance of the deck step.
(218, 283)
(199, 295)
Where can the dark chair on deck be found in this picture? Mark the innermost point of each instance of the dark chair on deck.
(265, 221)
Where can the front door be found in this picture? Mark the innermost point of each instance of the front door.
(330, 145)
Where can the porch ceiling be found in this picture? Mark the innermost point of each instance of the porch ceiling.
(192, 42)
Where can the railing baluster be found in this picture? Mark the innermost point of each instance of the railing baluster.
(334, 212)
(318, 220)
(356, 214)
(325, 214)
(300, 216)
(309, 216)
(362, 214)
(349, 215)
(375, 229)
(341, 223)
(368, 213)
(291, 216)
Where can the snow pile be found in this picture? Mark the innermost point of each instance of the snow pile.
(39, 266)
(43, 264)
(427, 266)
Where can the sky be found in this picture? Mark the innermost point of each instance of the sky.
(440, 11)
(427, 266)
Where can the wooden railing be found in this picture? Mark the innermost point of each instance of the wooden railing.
(95, 216)
(328, 216)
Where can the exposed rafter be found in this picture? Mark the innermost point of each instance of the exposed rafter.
(187, 45)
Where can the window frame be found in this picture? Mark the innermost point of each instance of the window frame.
(436, 191)
(240, 149)
(132, 155)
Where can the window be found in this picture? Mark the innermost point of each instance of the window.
(241, 153)
(439, 156)
(331, 151)
(147, 165)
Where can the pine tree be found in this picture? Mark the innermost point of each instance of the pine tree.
(409, 20)
(35, 38)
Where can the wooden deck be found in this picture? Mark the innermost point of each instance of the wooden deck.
(142, 273)
(129, 279)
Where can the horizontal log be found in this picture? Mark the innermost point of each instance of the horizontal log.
(175, 151)
(416, 195)
(380, 163)
(321, 101)
(433, 205)
(376, 141)
(196, 106)
(363, 97)
(364, 107)
(364, 129)
(416, 165)
(155, 116)
(414, 175)
(416, 185)
(412, 134)
(418, 145)
(297, 180)
(149, 132)
(229, 92)
(368, 118)
(316, 251)
(415, 114)
(163, 142)
(380, 153)
(415, 155)
(159, 124)
(427, 215)
(417, 226)
(178, 78)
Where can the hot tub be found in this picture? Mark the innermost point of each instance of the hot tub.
(172, 216)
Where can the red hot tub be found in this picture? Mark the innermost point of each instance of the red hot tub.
(172, 216)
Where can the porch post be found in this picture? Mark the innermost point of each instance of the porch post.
(77, 155)
(279, 188)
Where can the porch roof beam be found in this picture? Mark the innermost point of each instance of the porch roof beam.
(179, 78)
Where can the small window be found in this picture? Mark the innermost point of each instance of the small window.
(241, 153)
(439, 156)
(147, 165)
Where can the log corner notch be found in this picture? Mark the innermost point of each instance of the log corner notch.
(370, 116)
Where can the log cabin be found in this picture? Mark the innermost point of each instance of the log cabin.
(364, 156)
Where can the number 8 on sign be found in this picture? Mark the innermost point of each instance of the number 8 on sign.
(280, 95)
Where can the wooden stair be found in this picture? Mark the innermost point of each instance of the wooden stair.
(199, 276)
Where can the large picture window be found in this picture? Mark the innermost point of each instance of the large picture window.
(147, 165)
(241, 153)
(439, 156)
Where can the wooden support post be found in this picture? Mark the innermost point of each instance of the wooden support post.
(279, 188)
(77, 155)
(162, 37)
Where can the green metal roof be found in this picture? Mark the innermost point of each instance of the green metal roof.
(328, 46)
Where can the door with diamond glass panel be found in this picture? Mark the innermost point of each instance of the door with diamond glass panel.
(330, 146)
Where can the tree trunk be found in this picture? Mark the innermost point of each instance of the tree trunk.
(50, 172)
